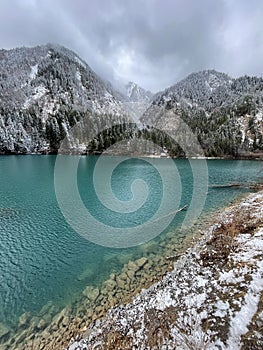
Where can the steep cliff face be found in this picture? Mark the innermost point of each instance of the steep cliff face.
(46, 90)
(224, 113)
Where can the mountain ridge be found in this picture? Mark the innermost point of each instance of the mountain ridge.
(46, 90)
(224, 113)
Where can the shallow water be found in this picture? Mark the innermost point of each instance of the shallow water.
(42, 259)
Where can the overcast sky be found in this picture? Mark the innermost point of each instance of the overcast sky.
(152, 42)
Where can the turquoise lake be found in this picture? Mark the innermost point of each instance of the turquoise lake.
(43, 259)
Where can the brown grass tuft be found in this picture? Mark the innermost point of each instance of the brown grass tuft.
(223, 241)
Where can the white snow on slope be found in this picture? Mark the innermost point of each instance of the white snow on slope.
(38, 92)
(34, 70)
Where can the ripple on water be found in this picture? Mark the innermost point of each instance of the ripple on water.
(42, 260)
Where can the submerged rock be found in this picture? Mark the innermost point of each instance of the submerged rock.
(141, 262)
(121, 283)
(24, 319)
(42, 324)
(132, 266)
(110, 283)
(91, 293)
(130, 274)
(4, 331)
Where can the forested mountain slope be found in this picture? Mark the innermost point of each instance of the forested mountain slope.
(224, 113)
(46, 90)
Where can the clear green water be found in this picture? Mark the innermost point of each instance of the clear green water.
(43, 259)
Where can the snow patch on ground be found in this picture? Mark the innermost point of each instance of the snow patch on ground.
(239, 322)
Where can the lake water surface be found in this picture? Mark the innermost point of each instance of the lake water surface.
(42, 259)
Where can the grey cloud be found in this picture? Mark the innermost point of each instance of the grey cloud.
(152, 42)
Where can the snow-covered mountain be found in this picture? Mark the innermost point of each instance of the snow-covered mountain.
(135, 99)
(224, 113)
(44, 91)
(135, 93)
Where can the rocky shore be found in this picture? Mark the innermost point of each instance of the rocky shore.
(53, 329)
(212, 298)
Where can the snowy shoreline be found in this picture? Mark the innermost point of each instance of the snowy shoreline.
(252, 156)
(210, 299)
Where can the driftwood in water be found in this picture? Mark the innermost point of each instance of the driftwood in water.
(181, 209)
(228, 185)
(171, 213)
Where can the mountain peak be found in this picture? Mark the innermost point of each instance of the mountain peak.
(44, 91)
(210, 76)
(136, 93)
(197, 87)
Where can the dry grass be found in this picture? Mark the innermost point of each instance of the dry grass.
(223, 241)
(116, 340)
